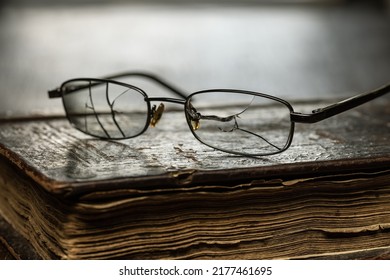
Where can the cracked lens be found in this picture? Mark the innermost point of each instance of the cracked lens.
(241, 123)
(105, 109)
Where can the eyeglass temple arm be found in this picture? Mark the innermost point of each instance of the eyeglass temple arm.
(54, 93)
(339, 107)
(152, 77)
(57, 93)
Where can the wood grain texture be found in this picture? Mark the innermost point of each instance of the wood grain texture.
(163, 195)
(331, 217)
(60, 158)
(13, 246)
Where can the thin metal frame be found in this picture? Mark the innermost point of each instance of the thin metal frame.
(262, 95)
(184, 99)
(339, 107)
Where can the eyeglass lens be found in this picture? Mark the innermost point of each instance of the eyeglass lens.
(231, 121)
(105, 109)
(239, 122)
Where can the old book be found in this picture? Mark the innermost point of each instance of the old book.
(164, 195)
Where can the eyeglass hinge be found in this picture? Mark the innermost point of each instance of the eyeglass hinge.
(54, 93)
(303, 118)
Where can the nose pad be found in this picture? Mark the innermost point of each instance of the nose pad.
(156, 114)
(194, 117)
(195, 124)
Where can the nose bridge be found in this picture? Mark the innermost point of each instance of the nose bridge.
(157, 112)
(168, 99)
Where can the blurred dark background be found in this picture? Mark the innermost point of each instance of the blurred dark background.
(292, 49)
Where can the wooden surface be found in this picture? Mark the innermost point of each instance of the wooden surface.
(331, 217)
(59, 157)
(164, 195)
(339, 216)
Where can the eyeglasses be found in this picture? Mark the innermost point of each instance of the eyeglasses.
(233, 121)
